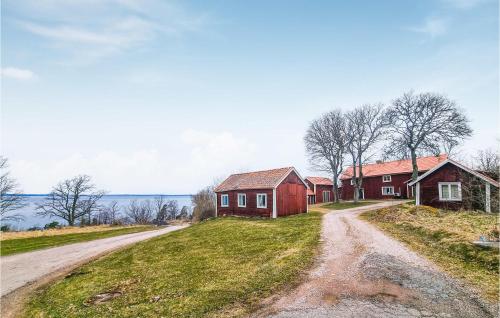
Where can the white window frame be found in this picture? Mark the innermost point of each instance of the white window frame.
(222, 196)
(352, 181)
(243, 195)
(328, 194)
(449, 184)
(391, 187)
(386, 175)
(257, 197)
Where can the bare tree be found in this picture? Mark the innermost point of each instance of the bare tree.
(140, 213)
(160, 210)
(172, 208)
(365, 127)
(10, 195)
(424, 123)
(185, 213)
(204, 204)
(325, 142)
(71, 199)
(488, 162)
(110, 213)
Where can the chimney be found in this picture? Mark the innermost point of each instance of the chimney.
(379, 161)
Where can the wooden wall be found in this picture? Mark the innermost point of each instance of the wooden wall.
(291, 196)
(373, 187)
(251, 208)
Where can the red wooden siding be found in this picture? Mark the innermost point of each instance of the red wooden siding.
(251, 207)
(319, 192)
(291, 196)
(373, 187)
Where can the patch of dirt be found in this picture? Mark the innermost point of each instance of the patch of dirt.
(102, 298)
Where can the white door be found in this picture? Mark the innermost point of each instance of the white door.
(326, 196)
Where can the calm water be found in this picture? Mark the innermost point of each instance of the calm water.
(31, 219)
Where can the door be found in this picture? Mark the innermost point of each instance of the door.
(326, 196)
(361, 194)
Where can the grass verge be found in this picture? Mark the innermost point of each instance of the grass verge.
(218, 268)
(21, 245)
(347, 205)
(445, 238)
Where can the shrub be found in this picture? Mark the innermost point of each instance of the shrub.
(5, 228)
(52, 225)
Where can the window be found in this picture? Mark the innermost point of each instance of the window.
(326, 196)
(262, 200)
(242, 200)
(224, 200)
(352, 181)
(387, 190)
(450, 191)
(386, 178)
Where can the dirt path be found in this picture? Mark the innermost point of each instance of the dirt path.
(26, 268)
(364, 273)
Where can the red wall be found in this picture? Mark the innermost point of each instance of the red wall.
(251, 208)
(429, 191)
(291, 196)
(319, 192)
(373, 187)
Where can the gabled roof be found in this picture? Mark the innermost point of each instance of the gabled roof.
(320, 180)
(310, 192)
(461, 166)
(267, 179)
(396, 167)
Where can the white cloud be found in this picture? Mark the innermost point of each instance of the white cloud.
(432, 27)
(197, 158)
(17, 73)
(90, 31)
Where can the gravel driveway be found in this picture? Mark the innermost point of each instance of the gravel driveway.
(26, 268)
(364, 273)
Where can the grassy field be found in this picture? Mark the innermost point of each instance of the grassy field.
(21, 245)
(445, 238)
(346, 205)
(218, 268)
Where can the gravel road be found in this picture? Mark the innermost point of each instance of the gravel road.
(26, 268)
(364, 273)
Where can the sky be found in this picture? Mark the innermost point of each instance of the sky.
(152, 96)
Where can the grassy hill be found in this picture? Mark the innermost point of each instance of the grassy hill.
(221, 267)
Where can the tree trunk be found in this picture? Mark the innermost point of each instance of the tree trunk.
(414, 175)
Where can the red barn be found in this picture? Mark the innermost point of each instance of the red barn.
(386, 180)
(451, 185)
(269, 193)
(320, 190)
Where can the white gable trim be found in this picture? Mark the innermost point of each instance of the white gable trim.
(437, 167)
(287, 174)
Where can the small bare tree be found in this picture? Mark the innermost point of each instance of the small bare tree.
(488, 162)
(424, 123)
(365, 127)
(325, 142)
(172, 208)
(204, 204)
(110, 214)
(71, 199)
(140, 213)
(160, 210)
(10, 195)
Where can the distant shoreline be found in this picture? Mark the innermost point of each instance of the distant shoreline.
(114, 195)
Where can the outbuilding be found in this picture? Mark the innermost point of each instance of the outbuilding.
(451, 185)
(320, 190)
(269, 193)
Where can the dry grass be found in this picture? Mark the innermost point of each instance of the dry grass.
(62, 231)
(446, 238)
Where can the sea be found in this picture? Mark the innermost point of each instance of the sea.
(31, 219)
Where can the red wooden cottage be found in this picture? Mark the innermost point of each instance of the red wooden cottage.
(387, 180)
(451, 185)
(269, 193)
(320, 190)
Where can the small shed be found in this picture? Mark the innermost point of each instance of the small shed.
(269, 193)
(321, 190)
(451, 185)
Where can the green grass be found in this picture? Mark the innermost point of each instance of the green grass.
(21, 245)
(445, 238)
(218, 268)
(346, 205)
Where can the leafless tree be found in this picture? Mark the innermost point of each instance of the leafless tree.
(488, 162)
(325, 142)
(71, 199)
(185, 213)
(172, 208)
(160, 210)
(365, 127)
(140, 213)
(10, 195)
(110, 214)
(424, 123)
(204, 204)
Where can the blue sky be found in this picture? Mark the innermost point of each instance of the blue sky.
(164, 96)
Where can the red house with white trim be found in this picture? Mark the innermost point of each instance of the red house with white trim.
(320, 190)
(451, 185)
(269, 193)
(387, 180)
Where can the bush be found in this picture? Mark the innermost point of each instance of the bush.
(204, 204)
(5, 228)
(52, 225)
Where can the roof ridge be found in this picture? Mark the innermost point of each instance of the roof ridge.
(257, 171)
(424, 157)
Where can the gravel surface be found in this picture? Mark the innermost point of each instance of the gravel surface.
(364, 273)
(26, 268)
